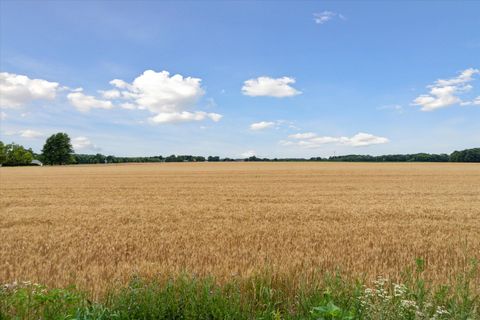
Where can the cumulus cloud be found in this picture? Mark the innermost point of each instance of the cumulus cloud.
(159, 92)
(271, 87)
(311, 140)
(325, 16)
(444, 92)
(262, 125)
(85, 102)
(19, 90)
(184, 116)
(170, 97)
(83, 143)
(120, 84)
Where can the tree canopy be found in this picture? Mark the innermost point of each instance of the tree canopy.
(15, 155)
(468, 155)
(58, 149)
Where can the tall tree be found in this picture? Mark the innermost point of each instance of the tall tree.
(58, 149)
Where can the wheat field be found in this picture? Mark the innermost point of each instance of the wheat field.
(96, 225)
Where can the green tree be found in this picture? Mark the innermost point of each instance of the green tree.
(16, 155)
(3, 153)
(213, 158)
(58, 149)
(467, 155)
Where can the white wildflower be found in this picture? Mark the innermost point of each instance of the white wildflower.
(408, 304)
(441, 311)
(368, 292)
(399, 290)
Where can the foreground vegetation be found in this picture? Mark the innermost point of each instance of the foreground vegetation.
(260, 297)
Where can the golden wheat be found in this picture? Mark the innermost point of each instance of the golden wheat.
(97, 225)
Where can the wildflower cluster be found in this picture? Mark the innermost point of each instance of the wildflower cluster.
(386, 299)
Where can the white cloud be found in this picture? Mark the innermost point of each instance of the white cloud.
(286, 143)
(110, 94)
(18, 90)
(439, 97)
(475, 102)
(27, 133)
(444, 93)
(248, 154)
(306, 135)
(325, 16)
(30, 134)
(311, 140)
(120, 84)
(215, 117)
(159, 92)
(266, 86)
(262, 125)
(83, 143)
(464, 77)
(3, 115)
(184, 116)
(128, 106)
(85, 102)
(365, 139)
(171, 98)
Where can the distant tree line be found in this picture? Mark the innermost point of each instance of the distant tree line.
(467, 155)
(58, 150)
(100, 158)
(417, 157)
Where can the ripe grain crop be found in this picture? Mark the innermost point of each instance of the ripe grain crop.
(97, 225)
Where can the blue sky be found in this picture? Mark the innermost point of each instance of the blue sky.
(274, 79)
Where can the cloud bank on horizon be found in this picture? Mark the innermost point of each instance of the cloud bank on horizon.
(312, 140)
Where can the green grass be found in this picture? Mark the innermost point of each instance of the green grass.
(261, 297)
